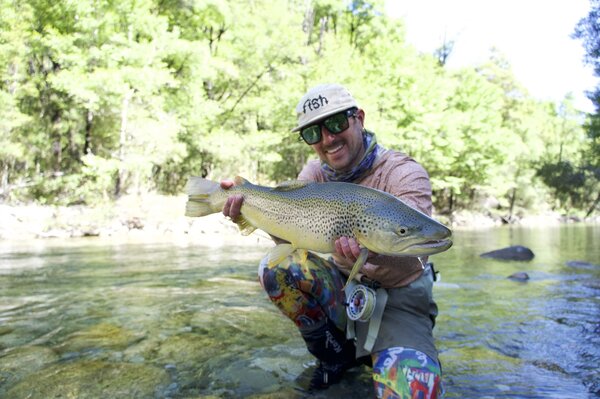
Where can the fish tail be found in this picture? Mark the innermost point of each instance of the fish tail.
(200, 192)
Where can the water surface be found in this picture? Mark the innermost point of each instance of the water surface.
(93, 318)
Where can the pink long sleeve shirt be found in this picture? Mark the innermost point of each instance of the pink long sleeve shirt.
(397, 174)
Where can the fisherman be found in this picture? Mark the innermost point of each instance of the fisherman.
(401, 348)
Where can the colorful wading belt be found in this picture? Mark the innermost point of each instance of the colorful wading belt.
(365, 304)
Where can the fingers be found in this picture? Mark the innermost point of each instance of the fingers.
(233, 204)
(227, 184)
(347, 247)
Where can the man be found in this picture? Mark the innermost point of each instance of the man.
(403, 355)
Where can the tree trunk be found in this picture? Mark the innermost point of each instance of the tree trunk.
(87, 147)
(323, 22)
(4, 181)
(56, 142)
(309, 20)
(593, 207)
(122, 142)
(513, 197)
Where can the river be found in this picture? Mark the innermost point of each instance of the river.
(91, 318)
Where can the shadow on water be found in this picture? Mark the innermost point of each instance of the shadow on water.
(182, 321)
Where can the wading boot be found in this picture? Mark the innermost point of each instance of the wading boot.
(334, 352)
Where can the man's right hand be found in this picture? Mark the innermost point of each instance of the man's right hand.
(233, 205)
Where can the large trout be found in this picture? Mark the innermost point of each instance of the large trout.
(311, 216)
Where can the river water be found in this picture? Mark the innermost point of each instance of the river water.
(100, 319)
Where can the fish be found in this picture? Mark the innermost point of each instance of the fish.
(311, 216)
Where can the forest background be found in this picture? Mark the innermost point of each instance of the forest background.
(100, 99)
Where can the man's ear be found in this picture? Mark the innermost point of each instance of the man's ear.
(360, 115)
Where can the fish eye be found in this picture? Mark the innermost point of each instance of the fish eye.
(402, 230)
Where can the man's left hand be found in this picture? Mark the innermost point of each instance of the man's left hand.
(349, 248)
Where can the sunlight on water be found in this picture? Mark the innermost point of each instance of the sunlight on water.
(97, 319)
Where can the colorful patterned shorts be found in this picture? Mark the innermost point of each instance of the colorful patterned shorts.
(307, 292)
(404, 373)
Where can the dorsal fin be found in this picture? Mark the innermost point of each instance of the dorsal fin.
(239, 180)
(290, 185)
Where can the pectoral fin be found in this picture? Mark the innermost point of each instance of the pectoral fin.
(246, 228)
(279, 253)
(360, 261)
(303, 254)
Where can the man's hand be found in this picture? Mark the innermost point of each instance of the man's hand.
(233, 205)
(349, 248)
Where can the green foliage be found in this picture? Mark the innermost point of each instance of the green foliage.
(572, 186)
(588, 30)
(98, 98)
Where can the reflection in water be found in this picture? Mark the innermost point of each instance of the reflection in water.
(162, 320)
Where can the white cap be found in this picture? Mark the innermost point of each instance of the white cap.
(321, 101)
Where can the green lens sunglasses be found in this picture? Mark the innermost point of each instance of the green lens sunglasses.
(335, 124)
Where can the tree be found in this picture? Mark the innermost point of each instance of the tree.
(588, 31)
(12, 72)
(100, 98)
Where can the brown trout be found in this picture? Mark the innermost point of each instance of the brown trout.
(312, 216)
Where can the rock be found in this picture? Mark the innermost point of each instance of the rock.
(134, 223)
(5, 330)
(517, 253)
(99, 336)
(92, 379)
(23, 361)
(519, 276)
(581, 264)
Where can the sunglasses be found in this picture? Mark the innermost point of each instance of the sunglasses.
(335, 124)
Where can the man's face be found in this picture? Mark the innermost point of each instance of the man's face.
(344, 150)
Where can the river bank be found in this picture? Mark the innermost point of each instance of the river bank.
(160, 218)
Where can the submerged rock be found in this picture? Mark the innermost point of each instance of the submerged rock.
(516, 252)
(23, 361)
(578, 264)
(100, 336)
(5, 330)
(92, 379)
(519, 276)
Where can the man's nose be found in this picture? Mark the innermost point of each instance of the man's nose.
(327, 135)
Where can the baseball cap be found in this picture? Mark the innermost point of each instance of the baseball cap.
(321, 101)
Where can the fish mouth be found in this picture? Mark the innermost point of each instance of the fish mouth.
(430, 247)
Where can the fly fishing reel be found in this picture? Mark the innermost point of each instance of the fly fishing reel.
(361, 303)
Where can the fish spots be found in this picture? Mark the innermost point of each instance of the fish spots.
(321, 213)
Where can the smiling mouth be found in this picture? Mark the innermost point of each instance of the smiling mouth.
(335, 149)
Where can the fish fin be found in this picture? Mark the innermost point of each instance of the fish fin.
(200, 186)
(279, 253)
(199, 191)
(303, 253)
(196, 208)
(290, 185)
(239, 180)
(360, 262)
(246, 228)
